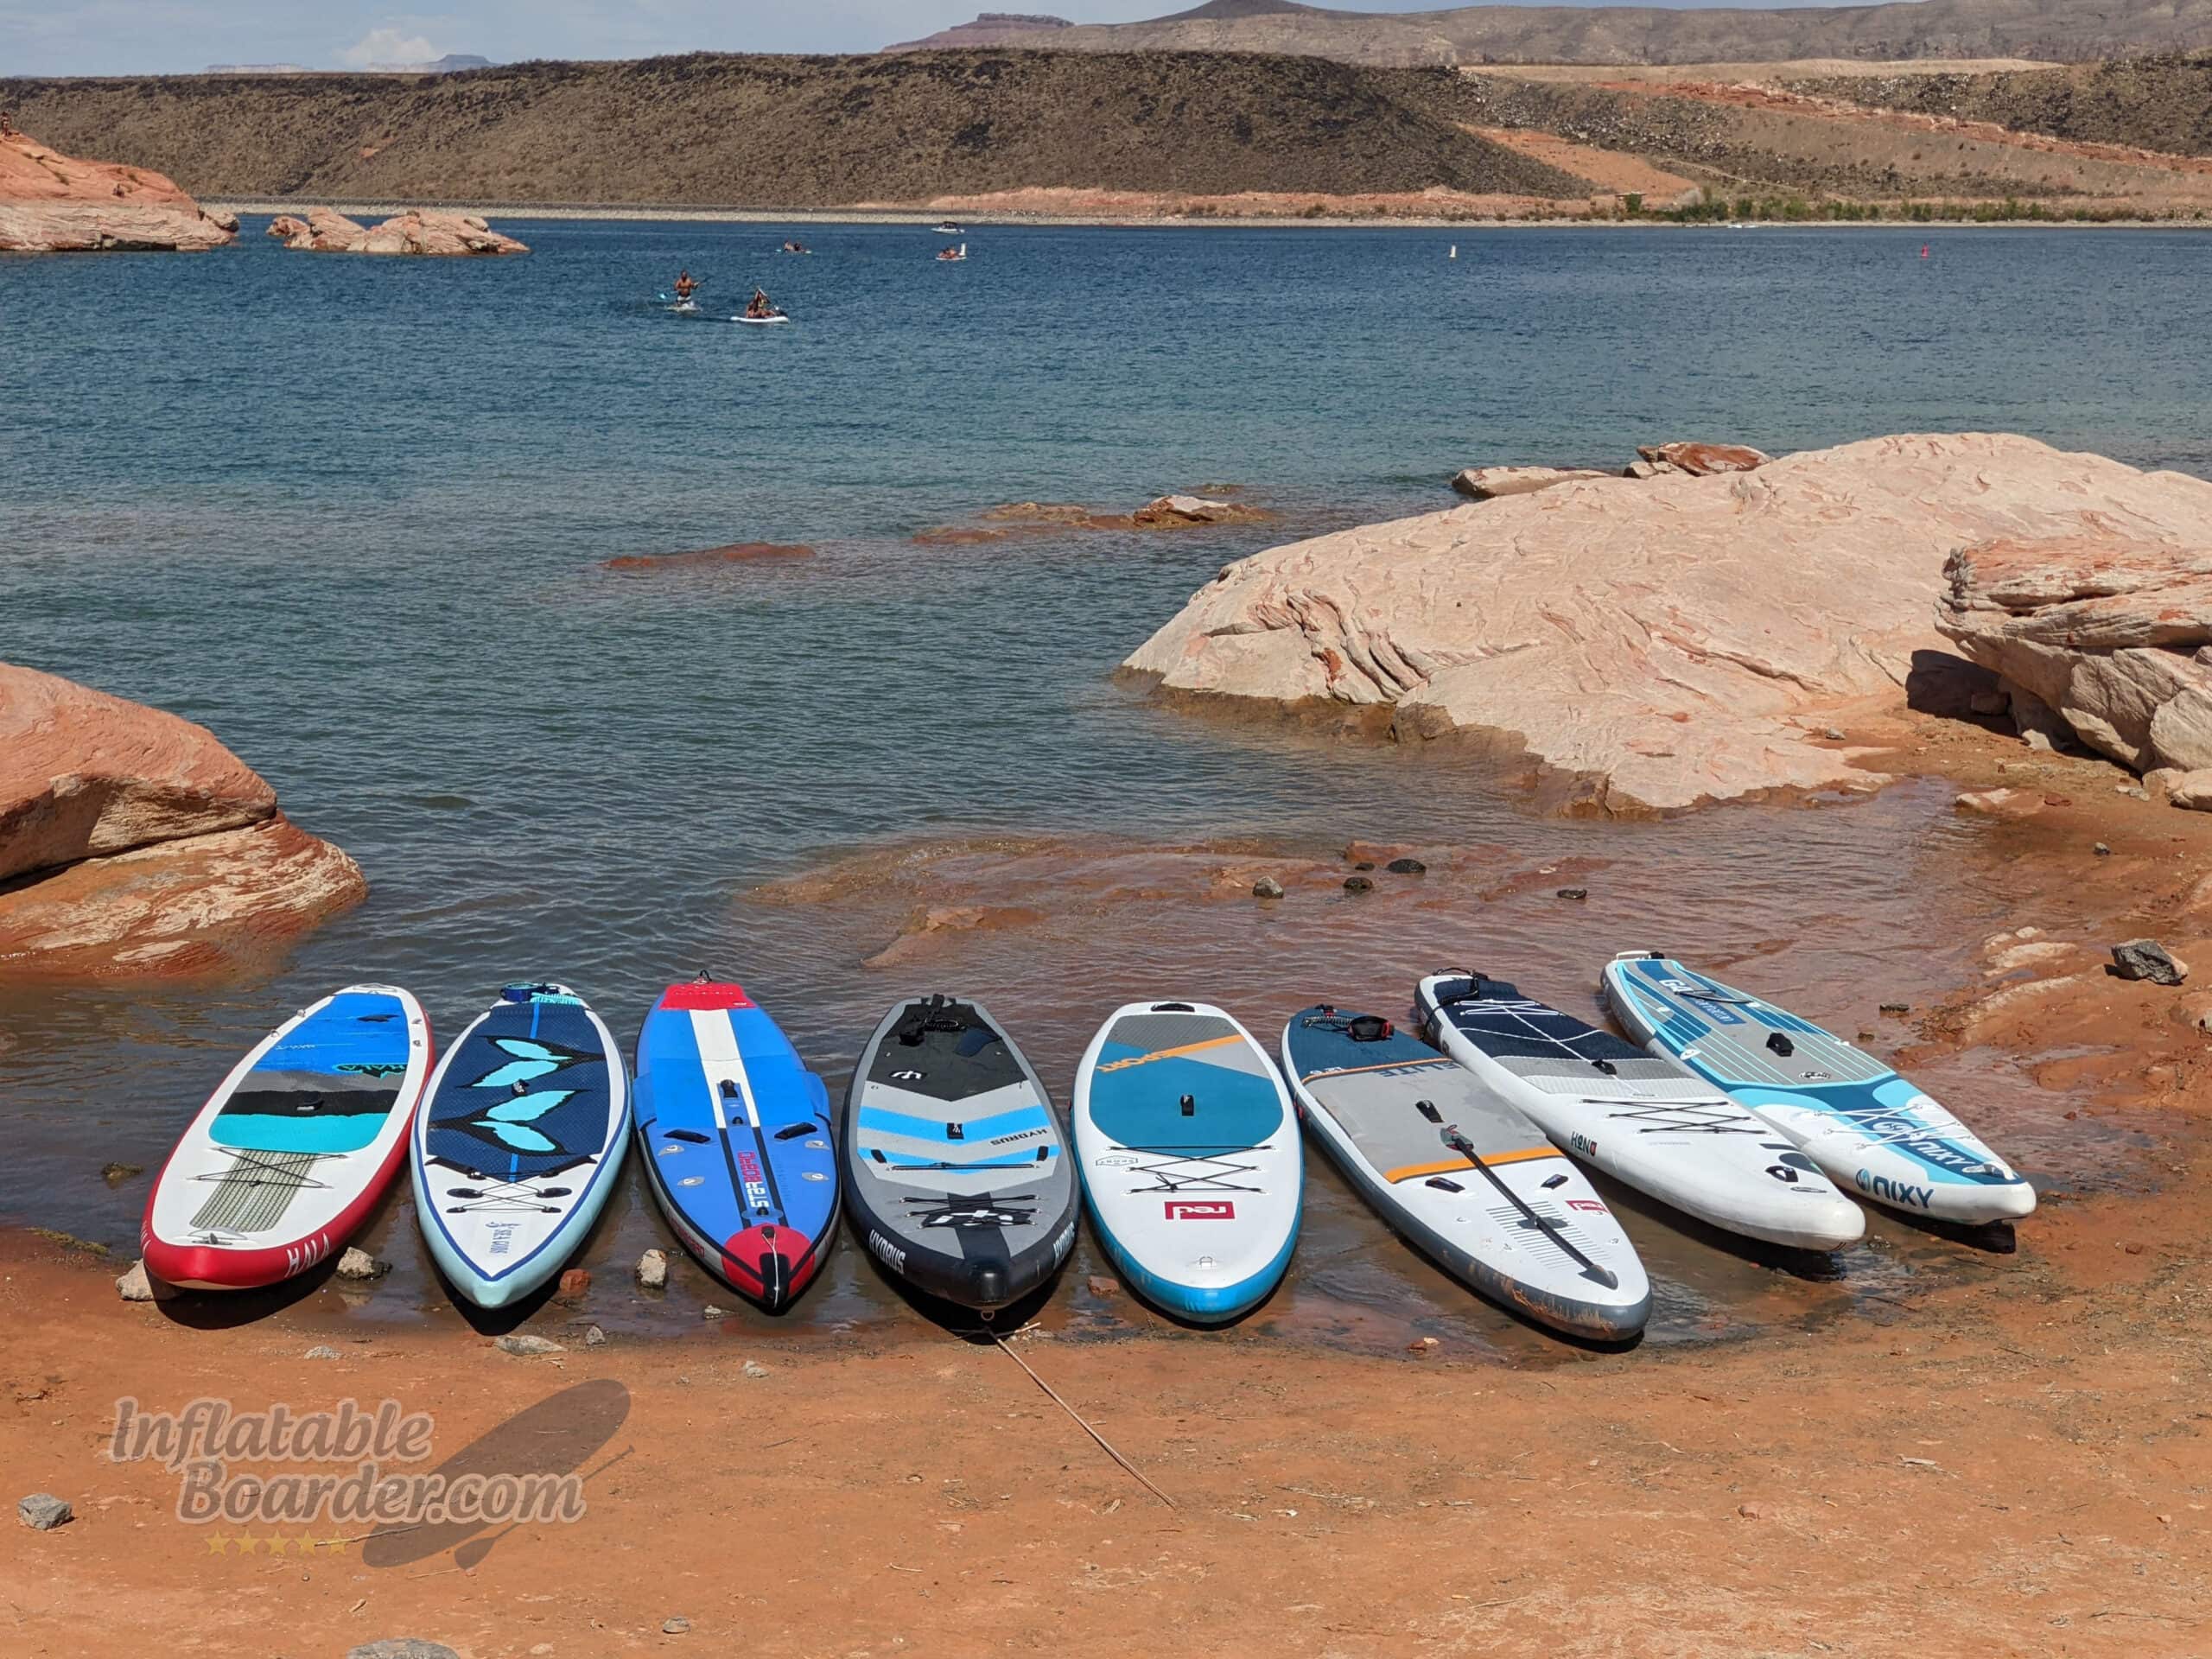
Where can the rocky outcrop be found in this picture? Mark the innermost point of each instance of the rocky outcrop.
(132, 840)
(327, 231)
(51, 203)
(1648, 650)
(709, 558)
(1027, 519)
(2109, 633)
(1703, 460)
(1169, 512)
(1488, 483)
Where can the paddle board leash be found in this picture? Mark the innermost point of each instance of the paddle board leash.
(1551, 1230)
(1104, 1444)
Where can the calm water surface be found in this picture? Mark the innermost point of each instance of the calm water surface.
(350, 513)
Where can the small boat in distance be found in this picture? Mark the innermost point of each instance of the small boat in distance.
(946, 255)
(950, 229)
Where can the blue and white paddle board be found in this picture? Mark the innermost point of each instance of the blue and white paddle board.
(1188, 1147)
(517, 1147)
(1867, 1128)
(734, 1133)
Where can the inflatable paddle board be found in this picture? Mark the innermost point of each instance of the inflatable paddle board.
(956, 1165)
(734, 1133)
(1189, 1158)
(1853, 1115)
(1470, 1182)
(1642, 1118)
(517, 1147)
(762, 322)
(295, 1147)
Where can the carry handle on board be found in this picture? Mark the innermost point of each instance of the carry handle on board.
(1450, 1136)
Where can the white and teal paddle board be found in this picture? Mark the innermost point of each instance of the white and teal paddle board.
(1867, 1128)
(1188, 1147)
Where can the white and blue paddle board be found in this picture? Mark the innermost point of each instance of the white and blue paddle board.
(517, 1147)
(1467, 1179)
(1865, 1126)
(1643, 1119)
(1188, 1148)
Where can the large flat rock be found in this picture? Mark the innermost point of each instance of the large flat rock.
(1654, 648)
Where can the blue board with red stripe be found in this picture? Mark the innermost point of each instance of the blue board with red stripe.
(734, 1131)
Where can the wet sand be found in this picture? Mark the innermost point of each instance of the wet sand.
(1991, 1444)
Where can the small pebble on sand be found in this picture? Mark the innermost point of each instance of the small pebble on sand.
(675, 1626)
(134, 1285)
(652, 1269)
(1358, 884)
(321, 1350)
(1577, 893)
(1267, 887)
(1406, 866)
(526, 1346)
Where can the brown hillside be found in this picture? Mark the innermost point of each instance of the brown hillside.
(2051, 30)
(2155, 103)
(758, 131)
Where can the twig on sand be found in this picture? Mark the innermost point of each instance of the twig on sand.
(1104, 1444)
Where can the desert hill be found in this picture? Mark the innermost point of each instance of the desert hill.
(797, 132)
(2051, 30)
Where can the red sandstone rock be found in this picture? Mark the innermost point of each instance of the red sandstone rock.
(133, 841)
(51, 203)
(203, 904)
(1488, 483)
(709, 557)
(2108, 630)
(84, 773)
(1701, 460)
(326, 231)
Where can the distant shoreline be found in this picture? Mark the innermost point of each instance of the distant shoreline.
(921, 217)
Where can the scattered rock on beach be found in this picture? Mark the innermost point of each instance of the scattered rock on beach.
(525, 1346)
(404, 1647)
(594, 1337)
(575, 1282)
(1488, 483)
(1406, 866)
(1267, 887)
(1574, 893)
(52, 203)
(652, 1270)
(675, 1626)
(2000, 802)
(1360, 884)
(2191, 790)
(2147, 959)
(754, 1369)
(134, 1285)
(43, 1511)
(1099, 1286)
(358, 1264)
(320, 1350)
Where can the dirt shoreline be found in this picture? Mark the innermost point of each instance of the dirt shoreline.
(2012, 1462)
(1149, 220)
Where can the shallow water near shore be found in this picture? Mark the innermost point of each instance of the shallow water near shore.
(350, 513)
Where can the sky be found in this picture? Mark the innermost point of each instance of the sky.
(116, 37)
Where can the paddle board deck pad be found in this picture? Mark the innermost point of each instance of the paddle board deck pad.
(1516, 1220)
(1866, 1127)
(1642, 1118)
(1190, 1157)
(734, 1132)
(955, 1166)
(518, 1145)
(295, 1147)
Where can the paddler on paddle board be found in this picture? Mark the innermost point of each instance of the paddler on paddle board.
(758, 306)
(686, 285)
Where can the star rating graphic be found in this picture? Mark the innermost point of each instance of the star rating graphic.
(245, 1544)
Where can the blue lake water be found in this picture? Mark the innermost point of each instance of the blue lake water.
(350, 513)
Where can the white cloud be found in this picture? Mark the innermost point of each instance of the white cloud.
(387, 45)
